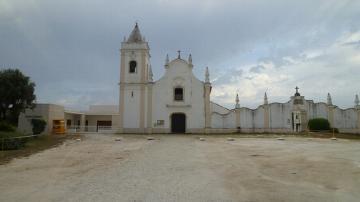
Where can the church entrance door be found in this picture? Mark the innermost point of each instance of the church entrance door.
(178, 123)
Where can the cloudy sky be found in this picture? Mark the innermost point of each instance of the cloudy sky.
(70, 48)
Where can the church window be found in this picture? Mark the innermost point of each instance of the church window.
(132, 93)
(178, 94)
(132, 66)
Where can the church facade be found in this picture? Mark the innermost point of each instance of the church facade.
(180, 103)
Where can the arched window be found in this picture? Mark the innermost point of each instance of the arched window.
(178, 94)
(132, 66)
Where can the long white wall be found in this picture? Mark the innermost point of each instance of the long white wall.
(279, 117)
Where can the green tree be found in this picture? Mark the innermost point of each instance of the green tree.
(16, 94)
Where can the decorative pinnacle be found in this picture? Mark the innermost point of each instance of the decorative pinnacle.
(167, 60)
(190, 59)
(207, 75)
(266, 99)
(237, 100)
(179, 56)
(329, 100)
(357, 102)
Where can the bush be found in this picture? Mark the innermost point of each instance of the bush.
(4, 126)
(318, 124)
(11, 140)
(38, 126)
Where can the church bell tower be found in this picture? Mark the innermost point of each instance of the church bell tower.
(135, 75)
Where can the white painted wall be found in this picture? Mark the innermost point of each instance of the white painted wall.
(345, 119)
(318, 110)
(214, 107)
(246, 118)
(280, 114)
(179, 74)
(47, 112)
(132, 107)
(230, 120)
(259, 117)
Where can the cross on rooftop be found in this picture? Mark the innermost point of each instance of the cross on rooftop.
(297, 88)
(179, 51)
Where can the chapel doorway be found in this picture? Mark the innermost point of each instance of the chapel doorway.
(178, 123)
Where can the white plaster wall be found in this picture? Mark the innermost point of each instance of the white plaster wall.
(259, 117)
(246, 118)
(24, 121)
(47, 112)
(350, 116)
(221, 117)
(214, 107)
(339, 121)
(280, 115)
(179, 74)
(135, 82)
(309, 108)
(56, 112)
(135, 51)
(217, 121)
(318, 110)
(115, 120)
(230, 120)
(345, 119)
(132, 107)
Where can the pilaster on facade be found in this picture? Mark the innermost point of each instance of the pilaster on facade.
(358, 120)
(207, 105)
(331, 115)
(266, 118)
(237, 117)
(149, 107)
(82, 122)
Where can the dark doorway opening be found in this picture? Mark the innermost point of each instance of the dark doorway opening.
(178, 123)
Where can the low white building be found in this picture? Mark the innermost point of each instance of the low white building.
(180, 103)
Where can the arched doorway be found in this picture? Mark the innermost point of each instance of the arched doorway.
(178, 123)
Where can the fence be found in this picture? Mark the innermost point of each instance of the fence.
(92, 129)
(9, 143)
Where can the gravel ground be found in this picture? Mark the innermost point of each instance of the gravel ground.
(182, 168)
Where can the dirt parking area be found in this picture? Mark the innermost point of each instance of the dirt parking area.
(183, 168)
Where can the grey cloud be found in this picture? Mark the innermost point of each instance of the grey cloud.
(64, 44)
(257, 68)
(353, 43)
(229, 76)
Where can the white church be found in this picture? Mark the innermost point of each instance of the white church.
(180, 103)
